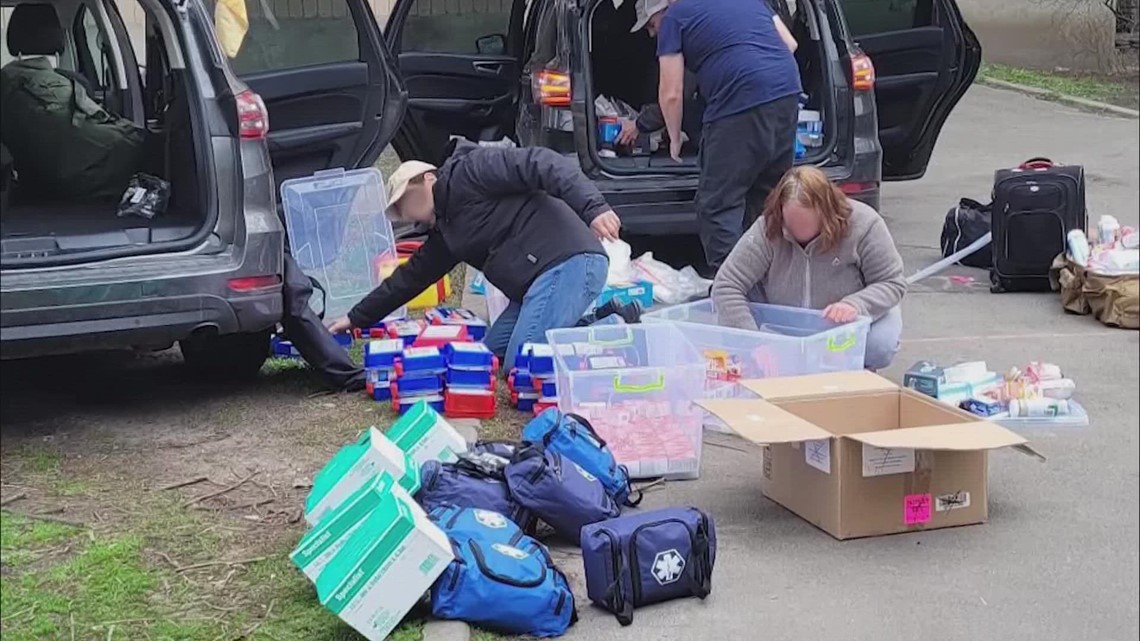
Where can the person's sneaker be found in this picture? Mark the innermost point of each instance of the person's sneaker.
(629, 312)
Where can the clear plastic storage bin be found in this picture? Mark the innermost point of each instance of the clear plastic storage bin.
(339, 235)
(791, 342)
(637, 385)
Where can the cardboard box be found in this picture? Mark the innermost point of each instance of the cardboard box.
(857, 456)
(425, 436)
(384, 568)
(355, 465)
(320, 544)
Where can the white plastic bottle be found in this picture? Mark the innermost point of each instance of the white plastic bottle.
(1038, 408)
(1079, 247)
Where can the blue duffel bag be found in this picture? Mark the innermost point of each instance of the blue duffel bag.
(460, 523)
(647, 558)
(574, 438)
(511, 589)
(558, 491)
(464, 484)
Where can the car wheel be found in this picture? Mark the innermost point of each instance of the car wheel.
(226, 357)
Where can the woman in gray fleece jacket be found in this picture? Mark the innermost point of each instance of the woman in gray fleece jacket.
(815, 248)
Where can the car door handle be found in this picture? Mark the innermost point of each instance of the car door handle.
(483, 66)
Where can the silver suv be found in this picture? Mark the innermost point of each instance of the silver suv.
(207, 273)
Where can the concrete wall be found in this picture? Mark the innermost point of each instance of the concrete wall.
(1042, 34)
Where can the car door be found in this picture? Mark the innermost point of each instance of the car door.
(925, 58)
(330, 87)
(460, 65)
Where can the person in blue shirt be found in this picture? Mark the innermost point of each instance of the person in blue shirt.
(742, 55)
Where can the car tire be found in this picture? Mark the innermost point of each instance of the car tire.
(226, 357)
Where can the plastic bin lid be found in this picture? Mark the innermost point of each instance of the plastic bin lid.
(339, 235)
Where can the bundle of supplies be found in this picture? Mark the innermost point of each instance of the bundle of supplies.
(1037, 393)
(1101, 278)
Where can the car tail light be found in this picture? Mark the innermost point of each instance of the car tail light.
(862, 73)
(852, 189)
(253, 119)
(254, 283)
(551, 88)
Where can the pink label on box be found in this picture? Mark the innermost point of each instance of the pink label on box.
(917, 509)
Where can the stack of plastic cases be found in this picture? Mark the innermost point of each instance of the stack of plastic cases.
(540, 358)
(419, 377)
(521, 386)
(440, 335)
(471, 369)
(476, 327)
(380, 358)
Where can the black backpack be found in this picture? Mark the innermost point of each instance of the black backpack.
(966, 223)
(1035, 207)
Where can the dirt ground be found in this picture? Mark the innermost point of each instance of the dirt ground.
(99, 543)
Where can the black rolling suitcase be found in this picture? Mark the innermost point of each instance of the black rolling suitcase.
(1035, 206)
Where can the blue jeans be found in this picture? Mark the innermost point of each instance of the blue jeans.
(557, 298)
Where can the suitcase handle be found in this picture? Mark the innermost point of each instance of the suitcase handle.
(1040, 162)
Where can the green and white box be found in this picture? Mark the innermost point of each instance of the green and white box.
(426, 436)
(353, 466)
(387, 564)
(322, 542)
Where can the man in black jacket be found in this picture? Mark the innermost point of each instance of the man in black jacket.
(527, 218)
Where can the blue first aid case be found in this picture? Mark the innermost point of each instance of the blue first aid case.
(526, 400)
(402, 404)
(283, 348)
(379, 375)
(407, 331)
(422, 359)
(648, 557)
(472, 356)
(548, 388)
(539, 359)
(472, 378)
(476, 327)
(419, 384)
(382, 392)
(382, 353)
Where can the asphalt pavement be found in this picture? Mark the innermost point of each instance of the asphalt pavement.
(1058, 559)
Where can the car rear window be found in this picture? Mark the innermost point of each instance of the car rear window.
(284, 34)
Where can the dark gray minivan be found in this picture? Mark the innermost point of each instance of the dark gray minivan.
(232, 121)
(882, 74)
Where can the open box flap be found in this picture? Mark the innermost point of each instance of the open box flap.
(814, 385)
(977, 435)
(761, 422)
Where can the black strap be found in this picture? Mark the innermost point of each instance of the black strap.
(324, 296)
(630, 502)
(970, 203)
(616, 602)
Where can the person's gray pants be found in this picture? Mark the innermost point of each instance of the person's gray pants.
(883, 340)
(743, 157)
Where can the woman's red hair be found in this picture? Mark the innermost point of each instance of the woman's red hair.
(808, 186)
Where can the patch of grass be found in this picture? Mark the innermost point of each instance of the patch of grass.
(104, 584)
(1118, 91)
(72, 487)
(40, 461)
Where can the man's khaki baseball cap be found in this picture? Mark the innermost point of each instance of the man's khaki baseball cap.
(400, 179)
(646, 9)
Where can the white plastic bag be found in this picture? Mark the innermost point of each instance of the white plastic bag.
(670, 286)
(496, 300)
(621, 267)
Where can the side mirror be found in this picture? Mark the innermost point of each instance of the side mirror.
(494, 44)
